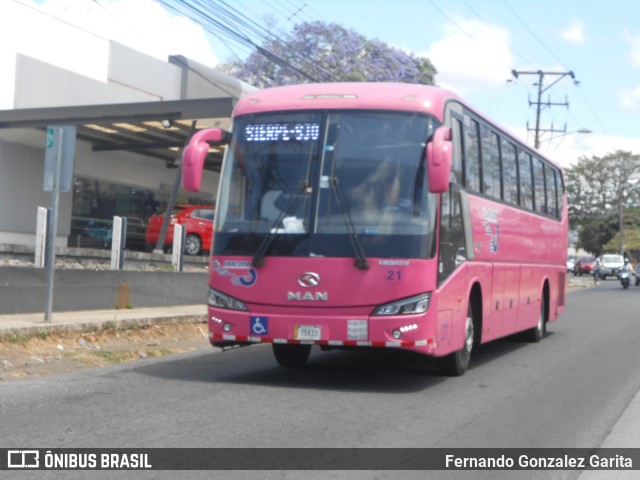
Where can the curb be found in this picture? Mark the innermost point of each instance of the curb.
(95, 326)
(88, 321)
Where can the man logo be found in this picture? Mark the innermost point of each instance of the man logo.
(308, 296)
(309, 280)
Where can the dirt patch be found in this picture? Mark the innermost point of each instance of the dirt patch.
(50, 354)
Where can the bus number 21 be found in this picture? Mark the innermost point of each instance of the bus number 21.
(394, 276)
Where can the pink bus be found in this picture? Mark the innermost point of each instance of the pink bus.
(355, 215)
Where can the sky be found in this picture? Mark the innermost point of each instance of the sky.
(474, 44)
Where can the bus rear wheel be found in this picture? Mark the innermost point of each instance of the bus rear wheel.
(536, 334)
(456, 363)
(291, 355)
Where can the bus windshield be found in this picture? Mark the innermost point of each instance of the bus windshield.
(313, 183)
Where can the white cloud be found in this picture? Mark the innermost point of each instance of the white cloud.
(630, 98)
(634, 43)
(478, 55)
(574, 33)
(568, 150)
(140, 24)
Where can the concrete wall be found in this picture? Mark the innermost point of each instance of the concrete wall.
(24, 290)
(22, 170)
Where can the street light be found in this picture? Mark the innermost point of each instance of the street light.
(583, 131)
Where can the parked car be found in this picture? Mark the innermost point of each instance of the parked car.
(97, 233)
(571, 263)
(584, 265)
(136, 234)
(87, 232)
(611, 265)
(198, 223)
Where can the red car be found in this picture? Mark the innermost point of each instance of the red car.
(584, 265)
(198, 223)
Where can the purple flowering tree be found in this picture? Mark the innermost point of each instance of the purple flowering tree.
(328, 52)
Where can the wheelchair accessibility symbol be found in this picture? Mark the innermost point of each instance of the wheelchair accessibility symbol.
(260, 325)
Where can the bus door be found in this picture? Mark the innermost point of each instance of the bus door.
(452, 276)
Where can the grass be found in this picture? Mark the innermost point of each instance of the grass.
(109, 327)
(16, 339)
(111, 357)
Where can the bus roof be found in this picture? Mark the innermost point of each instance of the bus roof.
(357, 95)
(360, 95)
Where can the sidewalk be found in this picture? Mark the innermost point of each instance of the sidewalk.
(624, 434)
(33, 323)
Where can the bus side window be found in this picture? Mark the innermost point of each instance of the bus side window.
(452, 251)
(471, 154)
(510, 172)
(525, 181)
(491, 172)
(552, 191)
(456, 166)
(540, 197)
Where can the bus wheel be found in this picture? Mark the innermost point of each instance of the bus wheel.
(535, 334)
(291, 355)
(456, 363)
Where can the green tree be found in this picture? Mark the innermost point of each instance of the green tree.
(599, 185)
(631, 232)
(328, 52)
(596, 232)
(598, 189)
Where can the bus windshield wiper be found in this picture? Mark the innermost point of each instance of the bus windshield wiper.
(361, 259)
(292, 205)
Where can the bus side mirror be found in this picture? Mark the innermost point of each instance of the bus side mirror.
(195, 153)
(439, 154)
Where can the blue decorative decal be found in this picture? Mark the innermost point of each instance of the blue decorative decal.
(259, 325)
(241, 272)
(491, 228)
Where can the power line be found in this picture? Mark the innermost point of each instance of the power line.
(225, 20)
(444, 14)
(593, 112)
(303, 10)
(604, 130)
(498, 34)
(534, 35)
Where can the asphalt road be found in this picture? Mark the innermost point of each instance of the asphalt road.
(567, 391)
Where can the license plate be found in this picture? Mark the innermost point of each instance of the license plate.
(307, 332)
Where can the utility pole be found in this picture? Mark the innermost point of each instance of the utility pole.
(539, 104)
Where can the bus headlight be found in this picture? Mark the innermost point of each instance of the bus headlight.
(220, 300)
(406, 306)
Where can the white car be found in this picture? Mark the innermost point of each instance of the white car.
(611, 265)
(571, 262)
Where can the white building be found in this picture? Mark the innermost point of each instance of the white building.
(117, 98)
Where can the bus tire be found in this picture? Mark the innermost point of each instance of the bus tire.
(456, 363)
(536, 334)
(291, 355)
